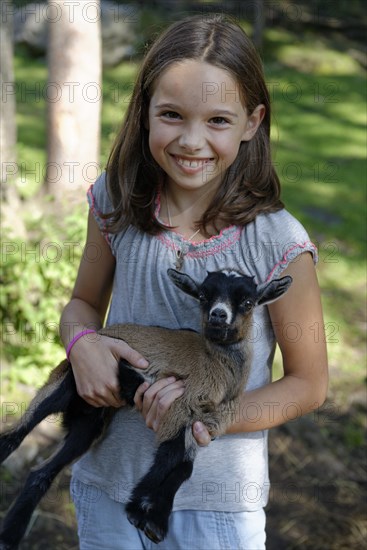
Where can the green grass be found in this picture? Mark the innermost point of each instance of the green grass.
(319, 141)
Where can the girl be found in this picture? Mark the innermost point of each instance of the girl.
(190, 184)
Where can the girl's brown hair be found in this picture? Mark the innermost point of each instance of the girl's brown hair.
(250, 185)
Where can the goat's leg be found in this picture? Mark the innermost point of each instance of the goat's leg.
(82, 432)
(151, 501)
(51, 398)
(159, 508)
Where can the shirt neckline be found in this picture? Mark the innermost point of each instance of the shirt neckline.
(179, 239)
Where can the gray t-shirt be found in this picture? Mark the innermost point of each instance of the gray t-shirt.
(231, 474)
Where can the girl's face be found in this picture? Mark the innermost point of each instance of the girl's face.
(197, 122)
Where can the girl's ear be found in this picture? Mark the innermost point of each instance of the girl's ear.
(253, 122)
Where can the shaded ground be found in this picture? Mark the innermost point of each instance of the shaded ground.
(53, 524)
(318, 496)
(318, 472)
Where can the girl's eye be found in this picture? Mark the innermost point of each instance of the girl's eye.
(219, 120)
(171, 115)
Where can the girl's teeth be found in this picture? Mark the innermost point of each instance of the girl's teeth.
(191, 163)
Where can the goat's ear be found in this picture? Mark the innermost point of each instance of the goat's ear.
(184, 282)
(269, 292)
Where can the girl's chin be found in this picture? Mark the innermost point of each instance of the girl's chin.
(192, 183)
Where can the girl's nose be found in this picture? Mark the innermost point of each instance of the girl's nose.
(191, 139)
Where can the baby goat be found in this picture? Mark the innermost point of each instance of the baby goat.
(214, 364)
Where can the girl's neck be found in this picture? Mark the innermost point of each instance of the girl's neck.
(182, 209)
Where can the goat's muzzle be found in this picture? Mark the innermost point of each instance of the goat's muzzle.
(221, 333)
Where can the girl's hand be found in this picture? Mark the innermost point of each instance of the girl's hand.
(155, 400)
(94, 361)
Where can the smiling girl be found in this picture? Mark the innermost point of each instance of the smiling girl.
(190, 184)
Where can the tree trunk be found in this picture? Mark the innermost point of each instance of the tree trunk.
(74, 97)
(259, 23)
(8, 104)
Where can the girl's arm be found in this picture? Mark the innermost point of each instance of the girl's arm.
(94, 358)
(304, 385)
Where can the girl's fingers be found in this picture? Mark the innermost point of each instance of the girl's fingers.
(122, 349)
(113, 399)
(145, 395)
(161, 405)
(109, 397)
(157, 391)
(139, 395)
(155, 400)
(201, 434)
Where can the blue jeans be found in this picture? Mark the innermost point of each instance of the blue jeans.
(102, 524)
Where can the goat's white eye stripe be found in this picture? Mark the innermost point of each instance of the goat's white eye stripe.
(225, 307)
(231, 273)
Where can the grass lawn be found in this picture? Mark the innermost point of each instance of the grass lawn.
(319, 144)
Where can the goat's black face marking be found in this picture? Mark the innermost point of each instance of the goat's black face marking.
(224, 297)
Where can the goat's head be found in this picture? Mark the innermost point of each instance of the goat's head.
(227, 299)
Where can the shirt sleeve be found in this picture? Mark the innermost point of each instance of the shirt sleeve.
(272, 242)
(100, 204)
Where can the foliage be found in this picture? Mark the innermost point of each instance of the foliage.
(36, 278)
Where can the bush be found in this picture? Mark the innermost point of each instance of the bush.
(37, 276)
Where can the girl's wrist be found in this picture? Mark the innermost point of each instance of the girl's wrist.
(76, 338)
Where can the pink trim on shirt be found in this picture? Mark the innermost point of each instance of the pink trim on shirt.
(97, 214)
(167, 242)
(232, 239)
(284, 260)
(214, 249)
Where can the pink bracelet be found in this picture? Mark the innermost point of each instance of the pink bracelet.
(76, 338)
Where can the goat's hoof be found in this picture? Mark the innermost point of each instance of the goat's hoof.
(154, 533)
(150, 520)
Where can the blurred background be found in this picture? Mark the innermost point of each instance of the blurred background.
(67, 70)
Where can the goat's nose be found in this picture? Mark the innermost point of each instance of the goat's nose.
(218, 315)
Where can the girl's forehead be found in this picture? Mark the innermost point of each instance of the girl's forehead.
(196, 82)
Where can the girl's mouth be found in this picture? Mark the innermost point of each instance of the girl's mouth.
(192, 165)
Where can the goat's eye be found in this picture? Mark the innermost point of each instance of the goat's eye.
(248, 305)
(202, 297)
